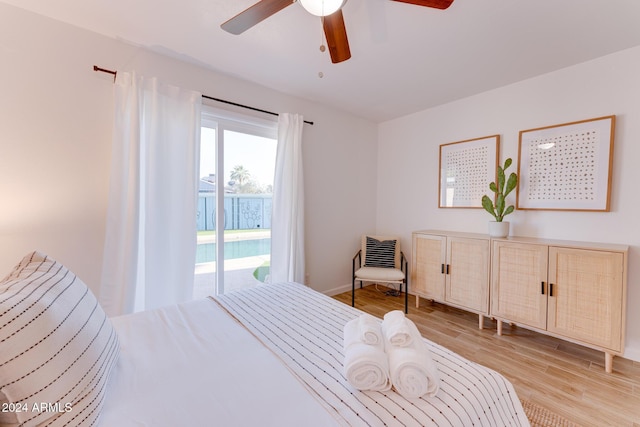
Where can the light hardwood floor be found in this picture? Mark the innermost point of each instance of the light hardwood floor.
(565, 378)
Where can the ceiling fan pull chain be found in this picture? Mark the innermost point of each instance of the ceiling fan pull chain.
(322, 46)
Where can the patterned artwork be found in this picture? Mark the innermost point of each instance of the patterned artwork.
(566, 166)
(466, 169)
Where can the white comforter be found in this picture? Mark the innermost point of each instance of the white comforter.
(193, 365)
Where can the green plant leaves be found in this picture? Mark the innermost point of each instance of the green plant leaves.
(512, 183)
(500, 180)
(487, 204)
(499, 207)
(502, 189)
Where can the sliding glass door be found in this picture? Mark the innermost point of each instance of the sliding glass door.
(237, 163)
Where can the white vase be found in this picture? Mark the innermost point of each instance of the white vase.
(498, 229)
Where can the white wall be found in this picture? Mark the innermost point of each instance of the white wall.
(55, 147)
(408, 160)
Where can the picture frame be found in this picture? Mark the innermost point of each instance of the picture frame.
(466, 170)
(566, 166)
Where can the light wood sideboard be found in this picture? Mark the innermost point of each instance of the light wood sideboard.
(575, 291)
(571, 290)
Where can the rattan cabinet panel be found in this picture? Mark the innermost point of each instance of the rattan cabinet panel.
(429, 253)
(571, 290)
(585, 302)
(519, 274)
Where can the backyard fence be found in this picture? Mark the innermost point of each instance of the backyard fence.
(241, 211)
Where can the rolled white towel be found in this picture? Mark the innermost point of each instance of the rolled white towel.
(369, 329)
(412, 371)
(396, 329)
(366, 366)
(351, 333)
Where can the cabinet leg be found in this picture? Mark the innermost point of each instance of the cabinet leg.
(480, 321)
(608, 363)
(499, 324)
(417, 301)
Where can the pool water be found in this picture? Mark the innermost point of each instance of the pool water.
(206, 252)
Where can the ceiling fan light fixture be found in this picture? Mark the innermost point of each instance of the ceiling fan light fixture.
(322, 7)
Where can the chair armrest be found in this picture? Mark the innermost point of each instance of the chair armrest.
(404, 265)
(353, 262)
(359, 256)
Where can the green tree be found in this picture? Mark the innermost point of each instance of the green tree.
(240, 175)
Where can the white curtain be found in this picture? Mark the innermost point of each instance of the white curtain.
(287, 221)
(150, 243)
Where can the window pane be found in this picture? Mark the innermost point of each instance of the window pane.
(249, 164)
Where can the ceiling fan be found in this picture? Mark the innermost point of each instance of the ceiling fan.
(332, 20)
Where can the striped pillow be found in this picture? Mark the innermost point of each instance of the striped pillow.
(57, 346)
(380, 253)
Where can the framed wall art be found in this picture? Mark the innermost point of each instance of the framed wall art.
(567, 166)
(466, 169)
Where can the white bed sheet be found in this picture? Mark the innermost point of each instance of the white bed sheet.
(194, 365)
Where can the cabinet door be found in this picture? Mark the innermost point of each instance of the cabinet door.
(428, 259)
(467, 283)
(518, 283)
(586, 299)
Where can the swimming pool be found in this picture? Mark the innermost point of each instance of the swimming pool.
(206, 252)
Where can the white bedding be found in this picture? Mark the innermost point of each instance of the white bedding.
(194, 365)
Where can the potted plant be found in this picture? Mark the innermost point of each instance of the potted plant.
(500, 228)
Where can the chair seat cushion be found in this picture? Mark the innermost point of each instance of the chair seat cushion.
(379, 274)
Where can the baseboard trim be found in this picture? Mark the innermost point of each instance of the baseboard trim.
(338, 290)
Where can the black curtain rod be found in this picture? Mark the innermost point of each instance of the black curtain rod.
(104, 70)
(246, 106)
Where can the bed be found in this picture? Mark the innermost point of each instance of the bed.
(267, 356)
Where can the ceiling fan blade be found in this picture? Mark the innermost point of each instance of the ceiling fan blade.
(336, 35)
(253, 15)
(438, 4)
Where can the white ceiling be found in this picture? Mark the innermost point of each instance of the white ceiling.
(405, 58)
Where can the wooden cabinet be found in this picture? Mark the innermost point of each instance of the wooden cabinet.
(452, 268)
(575, 291)
(571, 290)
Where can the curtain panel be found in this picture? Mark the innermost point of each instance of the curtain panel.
(150, 243)
(287, 221)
